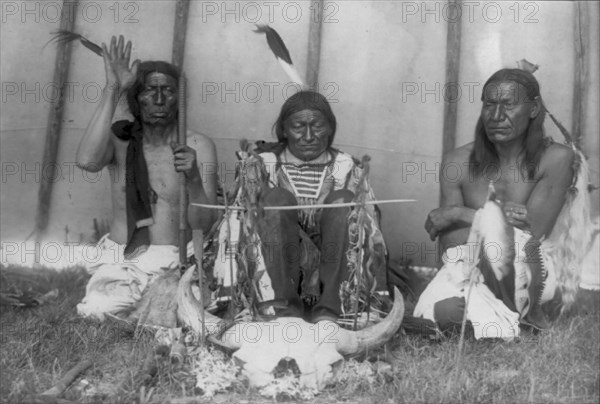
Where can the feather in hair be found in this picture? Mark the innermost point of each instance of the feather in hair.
(526, 65)
(64, 36)
(280, 51)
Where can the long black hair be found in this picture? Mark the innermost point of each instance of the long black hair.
(484, 153)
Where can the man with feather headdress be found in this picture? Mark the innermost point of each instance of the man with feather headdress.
(303, 168)
(536, 218)
(144, 162)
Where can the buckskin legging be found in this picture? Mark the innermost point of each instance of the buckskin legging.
(279, 234)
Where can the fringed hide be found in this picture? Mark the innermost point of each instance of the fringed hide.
(571, 236)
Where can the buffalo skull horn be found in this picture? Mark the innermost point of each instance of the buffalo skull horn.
(348, 342)
(356, 342)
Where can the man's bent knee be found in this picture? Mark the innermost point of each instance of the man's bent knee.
(449, 312)
(340, 196)
(279, 197)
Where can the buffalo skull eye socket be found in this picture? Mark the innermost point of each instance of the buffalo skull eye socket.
(286, 366)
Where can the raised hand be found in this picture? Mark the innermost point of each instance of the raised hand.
(116, 64)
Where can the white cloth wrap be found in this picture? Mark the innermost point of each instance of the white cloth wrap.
(118, 283)
(489, 316)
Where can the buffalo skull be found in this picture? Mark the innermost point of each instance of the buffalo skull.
(268, 350)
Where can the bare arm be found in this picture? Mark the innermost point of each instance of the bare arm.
(548, 195)
(452, 220)
(198, 161)
(96, 149)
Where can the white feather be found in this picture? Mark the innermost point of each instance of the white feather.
(291, 71)
(498, 239)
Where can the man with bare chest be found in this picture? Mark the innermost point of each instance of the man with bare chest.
(144, 161)
(531, 176)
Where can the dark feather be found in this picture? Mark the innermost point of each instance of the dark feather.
(275, 42)
(63, 36)
(535, 316)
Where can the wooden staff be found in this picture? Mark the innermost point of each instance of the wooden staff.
(453, 43)
(313, 59)
(581, 85)
(183, 203)
(182, 10)
(55, 120)
(198, 241)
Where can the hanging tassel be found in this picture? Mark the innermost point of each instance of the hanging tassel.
(280, 51)
(307, 217)
(63, 36)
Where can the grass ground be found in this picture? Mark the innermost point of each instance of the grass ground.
(38, 345)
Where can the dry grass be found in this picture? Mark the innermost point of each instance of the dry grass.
(40, 344)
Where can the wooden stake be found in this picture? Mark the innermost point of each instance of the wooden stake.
(581, 80)
(313, 59)
(198, 241)
(453, 42)
(55, 117)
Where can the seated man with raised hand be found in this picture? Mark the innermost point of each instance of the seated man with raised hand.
(303, 168)
(144, 162)
(532, 177)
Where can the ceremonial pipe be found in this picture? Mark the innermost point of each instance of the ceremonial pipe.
(317, 206)
(183, 205)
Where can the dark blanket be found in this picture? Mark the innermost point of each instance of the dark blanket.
(138, 193)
